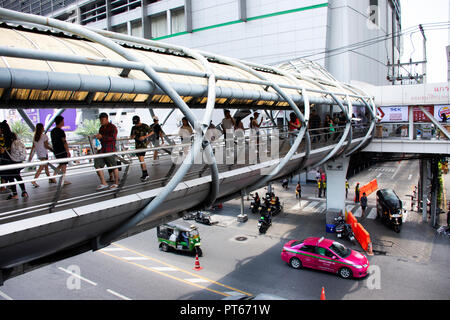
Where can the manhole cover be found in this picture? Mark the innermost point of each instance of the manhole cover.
(240, 238)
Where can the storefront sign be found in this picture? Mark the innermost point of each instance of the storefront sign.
(393, 114)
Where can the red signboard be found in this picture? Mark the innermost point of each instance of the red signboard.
(419, 116)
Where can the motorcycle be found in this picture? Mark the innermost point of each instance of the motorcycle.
(264, 223)
(274, 209)
(344, 230)
(200, 217)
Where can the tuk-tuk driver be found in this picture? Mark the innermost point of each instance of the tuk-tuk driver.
(184, 237)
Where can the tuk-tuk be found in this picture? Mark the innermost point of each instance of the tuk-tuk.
(179, 236)
(389, 208)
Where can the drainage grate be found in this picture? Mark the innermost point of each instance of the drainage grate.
(379, 253)
(240, 238)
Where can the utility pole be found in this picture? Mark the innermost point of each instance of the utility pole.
(418, 78)
(424, 70)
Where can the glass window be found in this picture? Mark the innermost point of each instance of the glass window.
(320, 251)
(159, 26)
(121, 29)
(136, 28)
(340, 250)
(310, 249)
(295, 243)
(178, 24)
(329, 254)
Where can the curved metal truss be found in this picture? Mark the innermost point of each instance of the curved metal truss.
(157, 74)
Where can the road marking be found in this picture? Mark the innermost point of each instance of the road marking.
(196, 280)
(409, 177)
(349, 207)
(78, 276)
(379, 175)
(396, 171)
(112, 249)
(118, 295)
(372, 214)
(322, 207)
(4, 295)
(164, 269)
(177, 269)
(165, 274)
(232, 293)
(358, 212)
(135, 258)
(311, 205)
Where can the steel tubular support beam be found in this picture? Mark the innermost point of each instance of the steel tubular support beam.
(26, 118)
(52, 119)
(90, 35)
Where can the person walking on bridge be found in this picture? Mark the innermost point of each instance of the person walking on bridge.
(60, 146)
(107, 135)
(41, 147)
(154, 138)
(140, 132)
(7, 157)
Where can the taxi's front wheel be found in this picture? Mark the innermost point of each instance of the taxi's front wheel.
(345, 273)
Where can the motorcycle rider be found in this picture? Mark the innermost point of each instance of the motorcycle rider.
(277, 203)
(256, 199)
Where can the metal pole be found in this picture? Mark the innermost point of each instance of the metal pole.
(26, 119)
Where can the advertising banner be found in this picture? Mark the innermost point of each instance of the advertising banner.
(442, 109)
(419, 116)
(70, 117)
(393, 114)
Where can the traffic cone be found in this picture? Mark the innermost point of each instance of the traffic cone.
(322, 295)
(197, 263)
(370, 253)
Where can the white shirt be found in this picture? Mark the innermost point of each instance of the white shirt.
(39, 146)
(227, 124)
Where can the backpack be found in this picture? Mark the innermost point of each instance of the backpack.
(18, 151)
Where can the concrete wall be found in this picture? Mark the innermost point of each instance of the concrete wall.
(348, 24)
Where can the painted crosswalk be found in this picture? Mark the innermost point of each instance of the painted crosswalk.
(311, 206)
(372, 213)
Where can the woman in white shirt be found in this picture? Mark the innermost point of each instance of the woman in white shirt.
(40, 146)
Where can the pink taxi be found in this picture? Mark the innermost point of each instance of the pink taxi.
(326, 255)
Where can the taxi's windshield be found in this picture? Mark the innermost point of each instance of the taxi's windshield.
(340, 250)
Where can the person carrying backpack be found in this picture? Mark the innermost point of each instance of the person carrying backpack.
(13, 152)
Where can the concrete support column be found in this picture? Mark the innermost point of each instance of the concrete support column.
(336, 172)
(108, 15)
(424, 187)
(169, 21)
(411, 123)
(434, 190)
(243, 10)
(145, 20)
(188, 15)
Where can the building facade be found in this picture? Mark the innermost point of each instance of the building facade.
(353, 39)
